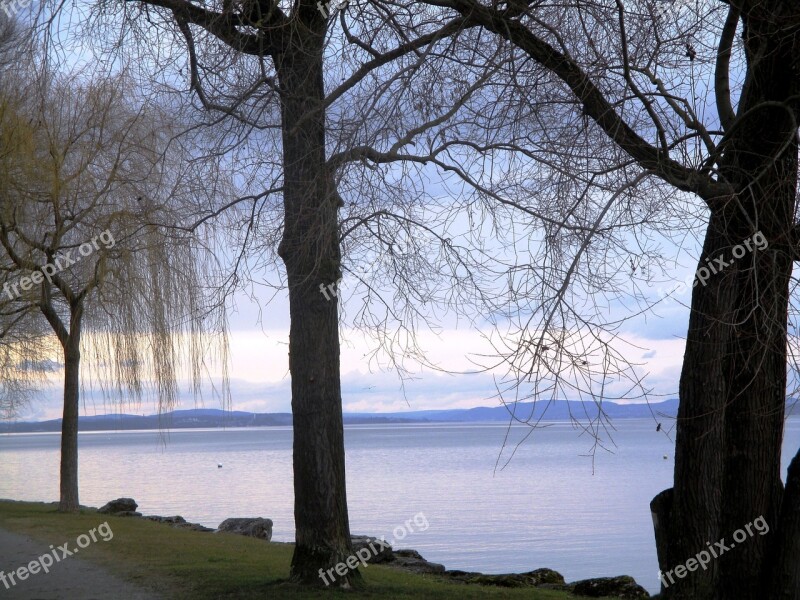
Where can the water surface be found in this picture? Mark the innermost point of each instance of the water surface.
(546, 508)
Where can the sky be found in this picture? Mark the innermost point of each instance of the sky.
(260, 382)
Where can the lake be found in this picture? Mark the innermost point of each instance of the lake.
(551, 506)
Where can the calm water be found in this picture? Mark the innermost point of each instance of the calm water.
(545, 509)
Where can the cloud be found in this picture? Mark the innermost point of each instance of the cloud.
(261, 383)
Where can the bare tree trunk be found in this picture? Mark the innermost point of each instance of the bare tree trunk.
(733, 383)
(311, 253)
(68, 501)
(763, 156)
(699, 446)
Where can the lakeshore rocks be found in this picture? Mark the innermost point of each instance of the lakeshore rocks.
(121, 507)
(178, 522)
(126, 507)
(623, 587)
(256, 527)
(177, 519)
(384, 551)
(546, 578)
(411, 560)
(194, 527)
(613, 587)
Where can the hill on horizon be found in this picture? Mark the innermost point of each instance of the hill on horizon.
(559, 410)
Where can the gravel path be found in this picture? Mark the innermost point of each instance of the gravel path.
(69, 579)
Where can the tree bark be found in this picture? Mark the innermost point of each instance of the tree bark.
(69, 500)
(733, 382)
(310, 250)
(699, 444)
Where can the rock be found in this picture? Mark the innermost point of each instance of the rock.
(384, 550)
(411, 560)
(539, 577)
(409, 553)
(193, 527)
(612, 587)
(256, 527)
(178, 522)
(177, 519)
(546, 577)
(128, 513)
(462, 576)
(120, 505)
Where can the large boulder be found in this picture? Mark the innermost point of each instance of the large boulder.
(379, 552)
(256, 527)
(611, 587)
(124, 507)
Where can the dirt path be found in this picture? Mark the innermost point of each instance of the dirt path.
(69, 579)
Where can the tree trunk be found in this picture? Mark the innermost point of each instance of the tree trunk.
(69, 501)
(699, 444)
(310, 250)
(733, 382)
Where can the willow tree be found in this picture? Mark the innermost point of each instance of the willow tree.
(91, 182)
(635, 116)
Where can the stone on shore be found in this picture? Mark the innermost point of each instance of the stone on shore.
(379, 552)
(623, 586)
(178, 522)
(177, 519)
(411, 560)
(256, 527)
(125, 507)
(538, 578)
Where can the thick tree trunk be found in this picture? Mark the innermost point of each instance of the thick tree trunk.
(68, 500)
(310, 251)
(733, 383)
(699, 447)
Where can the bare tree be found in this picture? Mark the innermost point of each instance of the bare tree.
(637, 119)
(279, 73)
(91, 182)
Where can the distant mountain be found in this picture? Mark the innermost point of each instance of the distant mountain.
(558, 410)
(211, 418)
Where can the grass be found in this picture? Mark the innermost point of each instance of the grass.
(188, 564)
